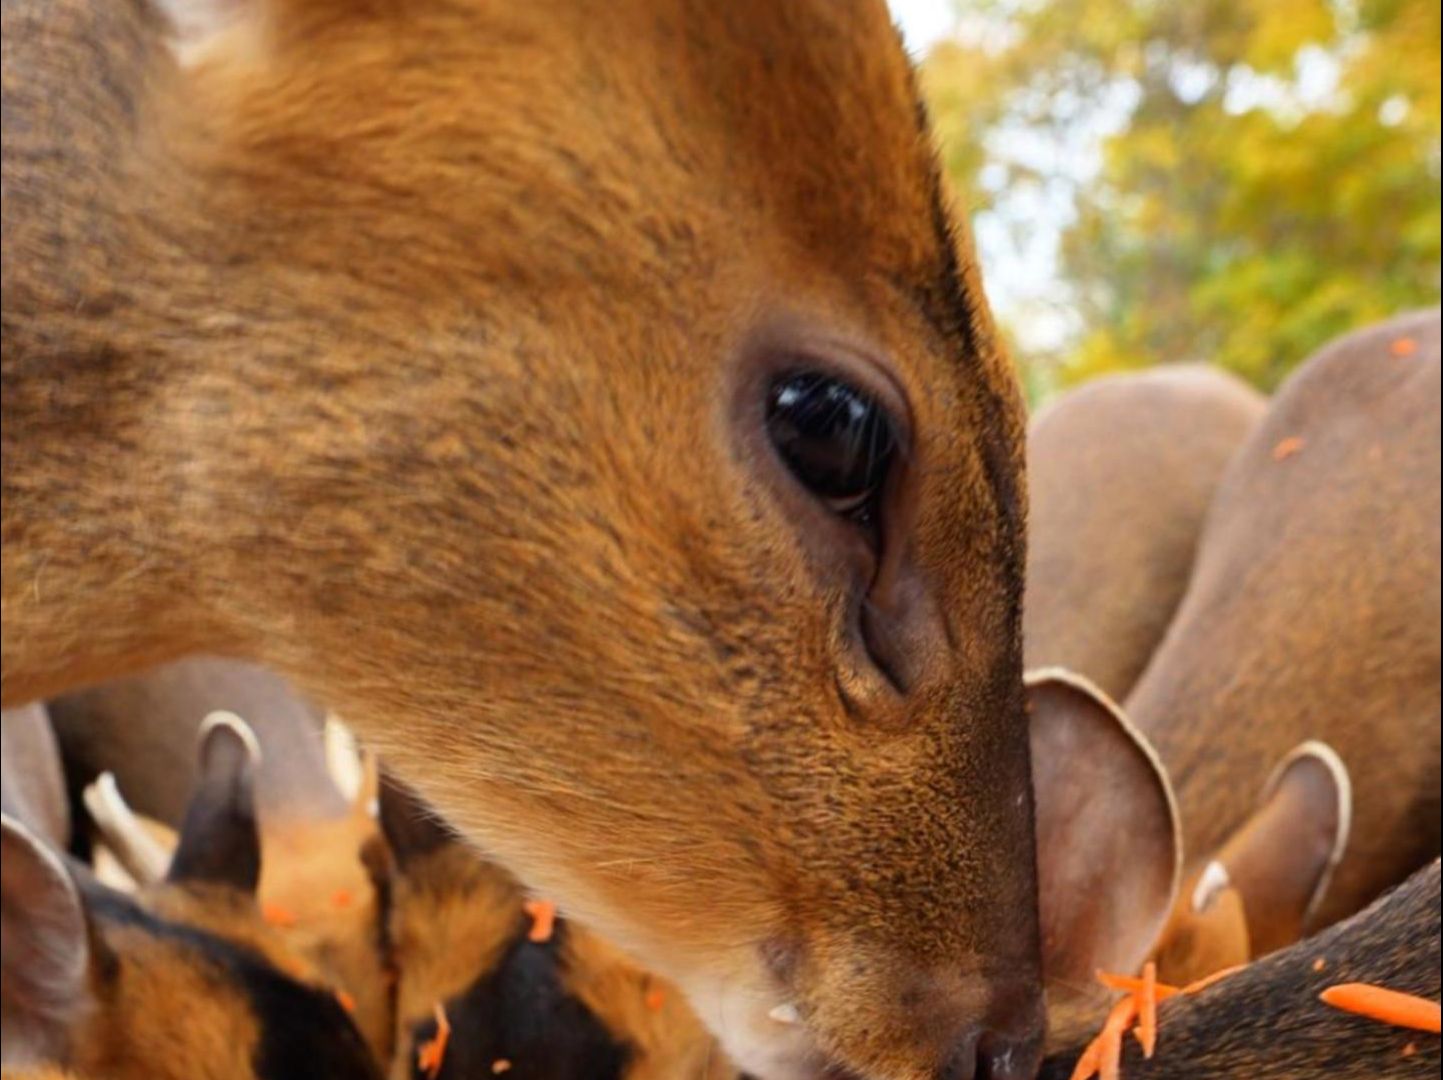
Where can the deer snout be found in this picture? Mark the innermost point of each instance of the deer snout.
(1008, 1043)
(1002, 1042)
(943, 1024)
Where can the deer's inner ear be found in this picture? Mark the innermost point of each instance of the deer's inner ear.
(1281, 860)
(1108, 845)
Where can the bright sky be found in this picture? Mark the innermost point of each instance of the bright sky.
(1019, 266)
(923, 21)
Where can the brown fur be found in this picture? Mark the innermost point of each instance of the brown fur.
(451, 918)
(1120, 473)
(318, 873)
(166, 1015)
(664, 1035)
(166, 986)
(419, 350)
(1266, 1023)
(1313, 613)
(454, 915)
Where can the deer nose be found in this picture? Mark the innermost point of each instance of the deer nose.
(1007, 1047)
(991, 1057)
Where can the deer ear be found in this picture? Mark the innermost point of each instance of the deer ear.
(1281, 860)
(1109, 850)
(412, 828)
(352, 768)
(45, 962)
(219, 841)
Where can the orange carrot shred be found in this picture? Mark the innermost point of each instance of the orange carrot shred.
(499, 1066)
(1109, 1066)
(347, 1001)
(654, 999)
(277, 915)
(1403, 346)
(1384, 1005)
(1286, 448)
(1118, 1021)
(543, 919)
(1089, 1062)
(1410, 1049)
(341, 898)
(1216, 977)
(1147, 1011)
(1132, 985)
(431, 1053)
(1319, 964)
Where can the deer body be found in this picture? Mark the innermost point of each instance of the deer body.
(1313, 613)
(427, 352)
(1120, 474)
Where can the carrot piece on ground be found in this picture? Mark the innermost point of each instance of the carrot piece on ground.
(1319, 964)
(1147, 1010)
(543, 919)
(654, 999)
(1132, 985)
(1216, 977)
(1286, 448)
(277, 915)
(499, 1066)
(1410, 1049)
(347, 1001)
(432, 1053)
(1403, 346)
(341, 899)
(1387, 1006)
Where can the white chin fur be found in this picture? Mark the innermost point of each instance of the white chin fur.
(752, 1033)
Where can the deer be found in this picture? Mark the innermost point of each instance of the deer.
(181, 980)
(323, 863)
(1300, 748)
(1290, 713)
(598, 408)
(1121, 472)
(1294, 700)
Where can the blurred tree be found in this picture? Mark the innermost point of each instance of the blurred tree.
(1263, 174)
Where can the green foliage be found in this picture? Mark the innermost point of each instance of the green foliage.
(1271, 179)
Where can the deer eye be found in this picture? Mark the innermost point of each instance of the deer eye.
(836, 439)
